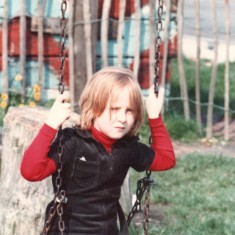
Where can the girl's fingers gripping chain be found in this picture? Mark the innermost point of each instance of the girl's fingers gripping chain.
(60, 111)
(154, 103)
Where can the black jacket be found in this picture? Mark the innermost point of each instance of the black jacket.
(92, 179)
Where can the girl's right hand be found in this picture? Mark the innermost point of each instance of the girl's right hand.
(154, 103)
(60, 111)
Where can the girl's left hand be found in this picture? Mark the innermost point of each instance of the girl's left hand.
(153, 103)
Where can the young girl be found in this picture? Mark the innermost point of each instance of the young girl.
(98, 153)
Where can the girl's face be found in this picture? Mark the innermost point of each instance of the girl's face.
(118, 117)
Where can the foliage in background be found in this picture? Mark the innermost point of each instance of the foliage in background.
(196, 197)
(205, 76)
(178, 129)
(13, 98)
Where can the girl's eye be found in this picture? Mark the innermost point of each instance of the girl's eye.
(130, 110)
(114, 109)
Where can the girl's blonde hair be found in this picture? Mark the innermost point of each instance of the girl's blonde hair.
(107, 84)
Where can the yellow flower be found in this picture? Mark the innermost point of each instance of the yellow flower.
(36, 88)
(3, 104)
(18, 77)
(4, 96)
(32, 104)
(21, 105)
(37, 96)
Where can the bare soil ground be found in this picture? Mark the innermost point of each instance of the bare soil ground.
(215, 145)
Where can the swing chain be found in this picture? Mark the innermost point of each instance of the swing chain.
(63, 38)
(142, 185)
(147, 202)
(55, 208)
(60, 195)
(157, 49)
(50, 216)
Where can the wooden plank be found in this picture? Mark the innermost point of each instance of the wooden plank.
(71, 54)
(137, 38)
(40, 45)
(151, 40)
(104, 32)
(5, 48)
(87, 32)
(50, 25)
(23, 49)
(122, 8)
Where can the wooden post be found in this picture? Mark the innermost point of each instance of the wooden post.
(40, 45)
(226, 75)
(209, 131)
(165, 52)
(137, 38)
(197, 67)
(104, 32)
(80, 70)
(183, 82)
(166, 42)
(122, 8)
(151, 41)
(87, 32)
(71, 54)
(5, 49)
(23, 49)
(94, 29)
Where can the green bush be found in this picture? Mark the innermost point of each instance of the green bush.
(180, 129)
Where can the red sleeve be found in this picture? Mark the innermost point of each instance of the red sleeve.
(161, 143)
(35, 165)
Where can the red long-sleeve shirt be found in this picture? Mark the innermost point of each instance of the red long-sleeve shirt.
(36, 166)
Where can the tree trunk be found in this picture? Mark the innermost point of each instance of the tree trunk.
(183, 82)
(137, 38)
(23, 49)
(226, 76)
(104, 32)
(197, 68)
(209, 131)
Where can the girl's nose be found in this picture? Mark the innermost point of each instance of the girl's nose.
(121, 116)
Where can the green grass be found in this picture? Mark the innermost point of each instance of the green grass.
(196, 197)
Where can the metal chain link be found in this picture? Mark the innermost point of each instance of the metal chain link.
(146, 207)
(142, 186)
(63, 38)
(157, 49)
(60, 195)
(145, 183)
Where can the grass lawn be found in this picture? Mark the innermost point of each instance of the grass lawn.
(197, 197)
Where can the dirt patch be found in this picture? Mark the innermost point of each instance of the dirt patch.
(205, 147)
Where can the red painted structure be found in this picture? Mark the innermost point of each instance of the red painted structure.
(51, 46)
